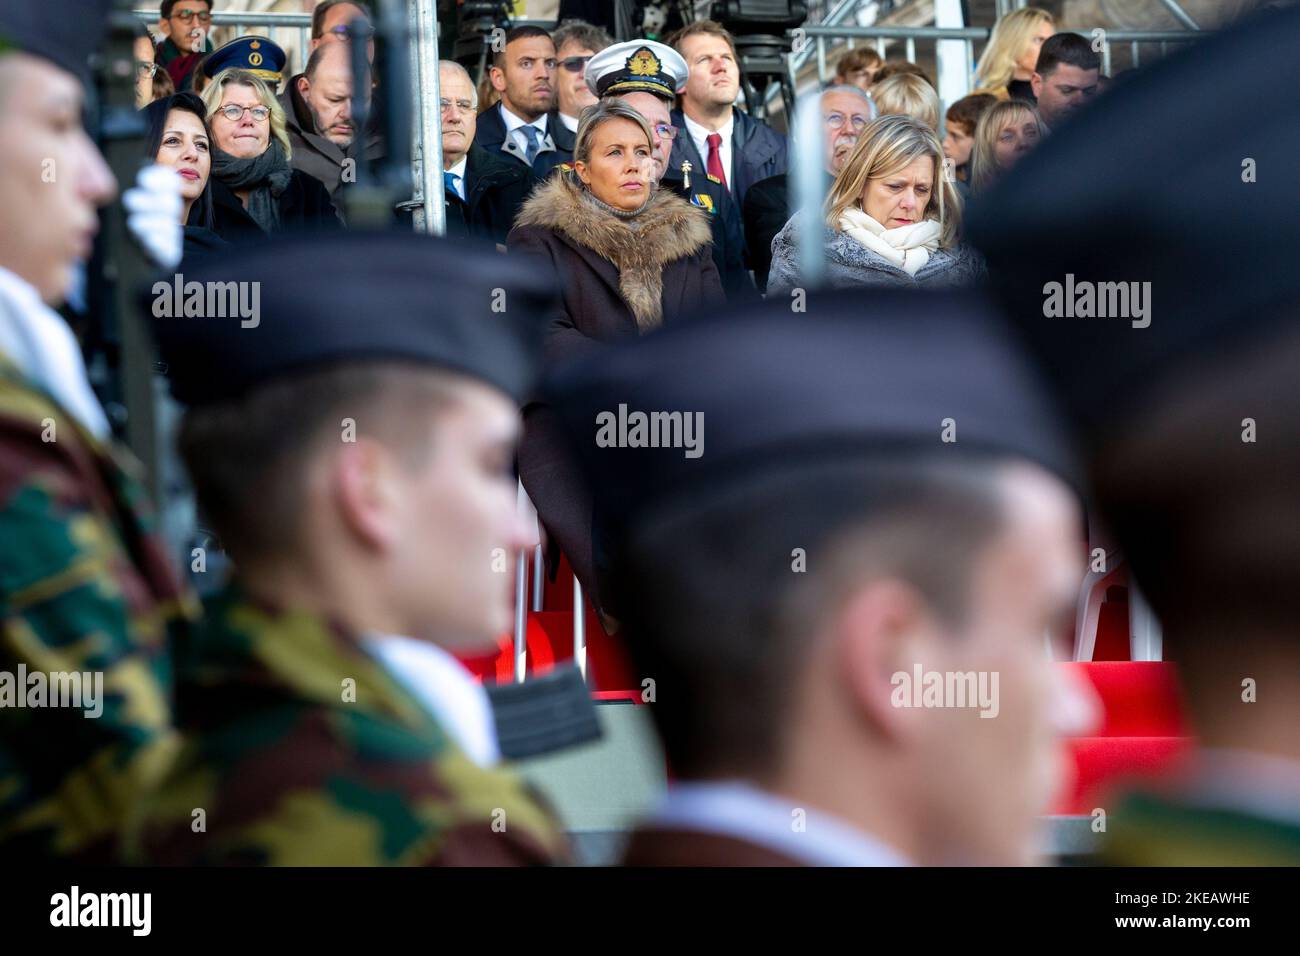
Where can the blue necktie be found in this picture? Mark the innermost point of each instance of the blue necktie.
(534, 143)
(449, 179)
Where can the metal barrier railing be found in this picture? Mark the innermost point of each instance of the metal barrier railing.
(822, 34)
(242, 21)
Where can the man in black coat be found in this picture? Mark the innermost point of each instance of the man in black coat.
(318, 114)
(525, 126)
(714, 136)
(482, 192)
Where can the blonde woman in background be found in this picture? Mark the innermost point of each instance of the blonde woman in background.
(1009, 59)
(891, 219)
(255, 192)
(909, 95)
(1004, 133)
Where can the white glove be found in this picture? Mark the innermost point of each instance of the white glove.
(153, 214)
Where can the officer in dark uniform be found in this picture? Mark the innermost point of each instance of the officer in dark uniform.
(647, 74)
(1175, 350)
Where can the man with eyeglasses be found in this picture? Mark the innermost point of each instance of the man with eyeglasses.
(482, 191)
(846, 110)
(525, 125)
(646, 75)
(576, 42)
(184, 25)
(331, 22)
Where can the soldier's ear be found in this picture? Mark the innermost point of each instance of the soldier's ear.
(879, 632)
(363, 492)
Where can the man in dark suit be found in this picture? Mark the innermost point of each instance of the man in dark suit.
(810, 588)
(524, 126)
(846, 111)
(483, 192)
(647, 75)
(1177, 363)
(716, 137)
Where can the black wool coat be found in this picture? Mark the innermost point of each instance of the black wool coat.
(495, 191)
(614, 283)
(305, 206)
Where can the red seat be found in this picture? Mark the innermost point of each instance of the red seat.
(1143, 732)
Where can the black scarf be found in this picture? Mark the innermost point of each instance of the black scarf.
(265, 177)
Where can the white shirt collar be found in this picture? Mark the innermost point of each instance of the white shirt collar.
(459, 170)
(513, 122)
(39, 342)
(570, 122)
(700, 137)
(738, 809)
(441, 683)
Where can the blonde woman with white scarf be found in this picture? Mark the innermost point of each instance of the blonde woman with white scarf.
(892, 217)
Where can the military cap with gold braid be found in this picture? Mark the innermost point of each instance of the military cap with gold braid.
(253, 54)
(637, 66)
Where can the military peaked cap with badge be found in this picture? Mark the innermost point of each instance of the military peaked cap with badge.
(637, 66)
(253, 54)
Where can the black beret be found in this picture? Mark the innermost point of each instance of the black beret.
(65, 33)
(1181, 184)
(764, 388)
(327, 299)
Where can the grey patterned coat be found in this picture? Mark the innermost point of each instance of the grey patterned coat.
(850, 264)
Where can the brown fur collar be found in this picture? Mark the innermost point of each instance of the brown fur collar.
(669, 229)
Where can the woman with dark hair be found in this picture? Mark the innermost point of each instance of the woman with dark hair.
(178, 137)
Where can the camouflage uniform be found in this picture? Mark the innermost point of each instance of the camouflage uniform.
(291, 768)
(85, 587)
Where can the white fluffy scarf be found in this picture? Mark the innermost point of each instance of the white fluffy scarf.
(907, 247)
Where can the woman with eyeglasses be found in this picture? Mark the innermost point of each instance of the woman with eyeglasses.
(151, 80)
(255, 191)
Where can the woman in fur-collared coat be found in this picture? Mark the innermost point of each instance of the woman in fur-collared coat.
(628, 259)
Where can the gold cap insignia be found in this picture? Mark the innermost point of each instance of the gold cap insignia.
(254, 45)
(643, 63)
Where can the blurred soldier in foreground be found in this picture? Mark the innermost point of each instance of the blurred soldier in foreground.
(1176, 351)
(86, 592)
(353, 450)
(795, 578)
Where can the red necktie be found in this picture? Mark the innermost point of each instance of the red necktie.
(715, 157)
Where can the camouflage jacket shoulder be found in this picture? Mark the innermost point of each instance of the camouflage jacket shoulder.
(85, 589)
(301, 749)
